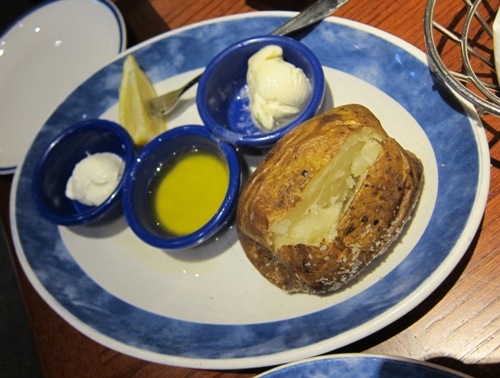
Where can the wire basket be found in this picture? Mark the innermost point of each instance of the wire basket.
(460, 49)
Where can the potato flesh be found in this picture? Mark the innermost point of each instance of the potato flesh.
(314, 219)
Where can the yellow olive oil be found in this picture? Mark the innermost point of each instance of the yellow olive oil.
(189, 191)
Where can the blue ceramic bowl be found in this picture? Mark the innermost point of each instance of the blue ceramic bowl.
(137, 196)
(222, 99)
(56, 166)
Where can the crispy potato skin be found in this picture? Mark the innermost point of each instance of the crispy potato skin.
(371, 223)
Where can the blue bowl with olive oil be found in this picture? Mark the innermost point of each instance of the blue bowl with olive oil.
(182, 188)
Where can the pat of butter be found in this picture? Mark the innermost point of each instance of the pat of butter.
(278, 91)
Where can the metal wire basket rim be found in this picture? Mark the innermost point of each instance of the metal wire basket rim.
(437, 65)
(465, 51)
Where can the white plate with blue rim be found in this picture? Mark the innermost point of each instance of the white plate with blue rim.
(208, 307)
(362, 366)
(43, 56)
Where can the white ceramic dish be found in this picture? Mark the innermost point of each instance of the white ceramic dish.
(207, 307)
(43, 57)
(362, 366)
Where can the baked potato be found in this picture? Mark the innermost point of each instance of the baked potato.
(329, 197)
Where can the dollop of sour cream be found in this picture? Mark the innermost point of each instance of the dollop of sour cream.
(95, 178)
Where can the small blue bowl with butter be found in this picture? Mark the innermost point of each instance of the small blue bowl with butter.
(258, 89)
(80, 176)
(182, 188)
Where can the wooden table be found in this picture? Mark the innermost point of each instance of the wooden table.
(457, 326)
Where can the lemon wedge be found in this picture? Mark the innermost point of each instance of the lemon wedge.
(135, 91)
